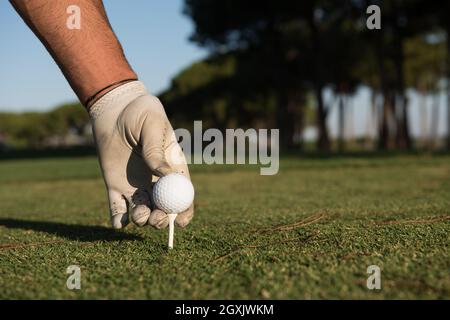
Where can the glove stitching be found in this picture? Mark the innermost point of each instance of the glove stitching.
(99, 107)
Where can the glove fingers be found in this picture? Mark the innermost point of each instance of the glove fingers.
(163, 155)
(118, 210)
(177, 161)
(175, 156)
(140, 207)
(154, 134)
(158, 219)
(183, 219)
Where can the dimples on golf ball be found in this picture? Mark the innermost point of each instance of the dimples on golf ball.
(173, 193)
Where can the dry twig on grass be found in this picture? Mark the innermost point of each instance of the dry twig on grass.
(288, 227)
(302, 223)
(256, 246)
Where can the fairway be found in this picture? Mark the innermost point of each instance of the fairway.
(308, 232)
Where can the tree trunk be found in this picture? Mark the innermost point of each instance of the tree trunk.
(434, 122)
(387, 120)
(341, 124)
(406, 130)
(403, 135)
(289, 108)
(282, 115)
(296, 111)
(447, 67)
(383, 135)
(383, 131)
(423, 118)
(403, 138)
(323, 142)
(448, 111)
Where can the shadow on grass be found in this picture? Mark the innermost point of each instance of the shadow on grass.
(70, 231)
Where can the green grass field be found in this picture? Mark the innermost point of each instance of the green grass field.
(309, 232)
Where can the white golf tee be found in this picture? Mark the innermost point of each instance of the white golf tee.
(172, 217)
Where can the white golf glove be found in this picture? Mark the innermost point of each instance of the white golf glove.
(136, 145)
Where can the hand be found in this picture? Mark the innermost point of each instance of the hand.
(136, 145)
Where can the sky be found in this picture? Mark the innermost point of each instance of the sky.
(154, 35)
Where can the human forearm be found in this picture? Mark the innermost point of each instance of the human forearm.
(91, 57)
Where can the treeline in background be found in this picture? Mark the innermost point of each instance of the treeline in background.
(289, 65)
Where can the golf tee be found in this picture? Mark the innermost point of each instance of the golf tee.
(171, 229)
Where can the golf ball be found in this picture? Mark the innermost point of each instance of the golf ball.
(173, 193)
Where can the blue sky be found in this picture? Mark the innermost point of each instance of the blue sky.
(154, 35)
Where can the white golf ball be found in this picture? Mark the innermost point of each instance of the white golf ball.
(173, 193)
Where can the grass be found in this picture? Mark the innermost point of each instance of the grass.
(309, 232)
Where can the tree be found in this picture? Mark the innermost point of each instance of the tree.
(425, 57)
(401, 21)
(212, 90)
(30, 129)
(264, 33)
